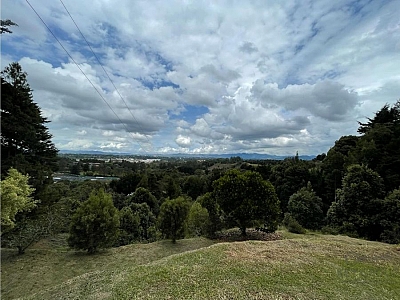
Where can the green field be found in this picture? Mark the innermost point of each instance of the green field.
(308, 266)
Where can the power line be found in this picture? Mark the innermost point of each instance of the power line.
(127, 130)
(98, 60)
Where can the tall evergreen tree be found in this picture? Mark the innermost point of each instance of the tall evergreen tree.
(379, 145)
(25, 140)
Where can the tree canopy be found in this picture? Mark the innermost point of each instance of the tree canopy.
(247, 198)
(5, 24)
(95, 223)
(358, 202)
(25, 140)
(306, 207)
(16, 197)
(172, 217)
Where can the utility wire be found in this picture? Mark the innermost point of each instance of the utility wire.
(98, 60)
(48, 28)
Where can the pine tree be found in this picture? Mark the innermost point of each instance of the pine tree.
(25, 140)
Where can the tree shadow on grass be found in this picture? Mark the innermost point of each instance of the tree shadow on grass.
(235, 235)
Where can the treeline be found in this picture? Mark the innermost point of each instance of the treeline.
(353, 189)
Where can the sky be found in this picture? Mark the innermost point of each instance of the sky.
(270, 77)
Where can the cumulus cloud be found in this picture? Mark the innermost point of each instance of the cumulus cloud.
(183, 141)
(326, 99)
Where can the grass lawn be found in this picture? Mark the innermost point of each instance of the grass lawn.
(308, 266)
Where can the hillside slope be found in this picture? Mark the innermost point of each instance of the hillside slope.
(310, 267)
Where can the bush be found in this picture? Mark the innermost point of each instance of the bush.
(198, 220)
(173, 214)
(292, 225)
(95, 223)
(329, 230)
(305, 207)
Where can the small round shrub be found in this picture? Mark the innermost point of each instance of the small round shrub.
(292, 225)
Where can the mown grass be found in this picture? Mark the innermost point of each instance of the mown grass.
(308, 266)
(51, 262)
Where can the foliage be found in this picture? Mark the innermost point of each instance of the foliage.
(247, 198)
(305, 207)
(119, 200)
(292, 224)
(95, 223)
(334, 166)
(173, 214)
(198, 220)
(126, 184)
(172, 188)
(288, 177)
(142, 195)
(380, 143)
(30, 230)
(209, 202)
(358, 203)
(5, 24)
(129, 230)
(16, 197)
(194, 186)
(389, 218)
(147, 222)
(25, 140)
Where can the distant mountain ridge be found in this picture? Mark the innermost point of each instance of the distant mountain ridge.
(256, 156)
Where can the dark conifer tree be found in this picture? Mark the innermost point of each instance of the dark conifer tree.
(25, 140)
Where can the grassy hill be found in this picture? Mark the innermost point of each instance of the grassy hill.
(299, 267)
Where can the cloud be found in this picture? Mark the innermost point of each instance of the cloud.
(183, 141)
(248, 47)
(325, 99)
(82, 132)
(249, 76)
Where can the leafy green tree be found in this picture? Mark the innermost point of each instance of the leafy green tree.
(172, 188)
(209, 202)
(16, 197)
(31, 229)
(142, 195)
(194, 186)
(75, 169)
(247, 198)
(119, 200)
(358, 203)
(334, 166)
(305, 207)
(389, 218)
(129, 230)
(198, 220)
(172, 217)
(288, 177)
(147, 221)
(95, 223)
(25, 140)
(126, 184)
